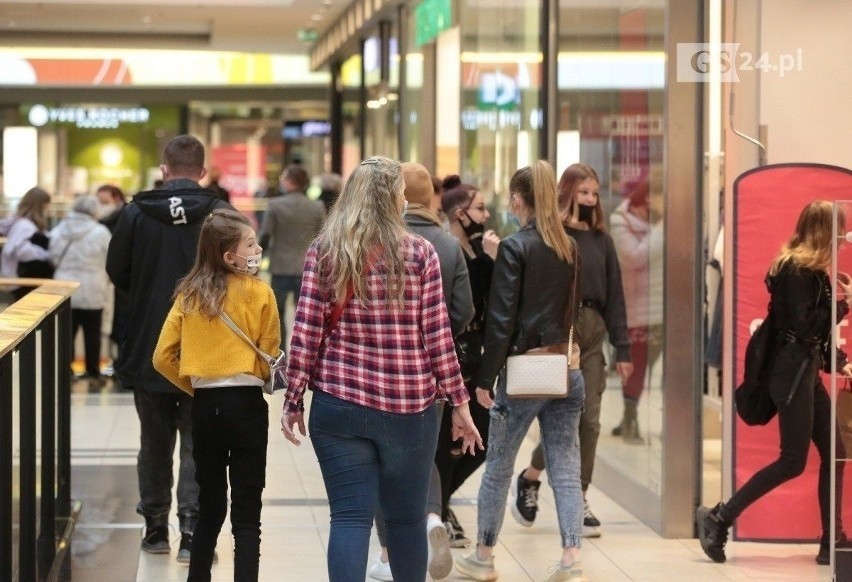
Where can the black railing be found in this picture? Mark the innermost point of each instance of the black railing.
(35, 431)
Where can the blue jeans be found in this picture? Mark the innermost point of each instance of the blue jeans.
(369, 458)
(510, 420)
(282, 286)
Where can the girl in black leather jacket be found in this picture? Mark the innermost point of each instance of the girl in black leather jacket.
(529, 304)
(801, 309)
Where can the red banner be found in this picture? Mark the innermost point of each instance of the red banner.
(767, 203)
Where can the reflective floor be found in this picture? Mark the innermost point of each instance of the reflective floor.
(105, 547)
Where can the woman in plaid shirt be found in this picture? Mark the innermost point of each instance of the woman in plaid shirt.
(372, 340)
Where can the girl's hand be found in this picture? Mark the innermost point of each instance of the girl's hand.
(847, 370)
(490, 242)
(624, 369)
(483, 396)
(465, 429)
(288, 421)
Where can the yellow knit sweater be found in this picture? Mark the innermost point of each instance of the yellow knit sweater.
(192, 344)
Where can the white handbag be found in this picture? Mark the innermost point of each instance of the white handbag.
(538, 374)
(543, 372)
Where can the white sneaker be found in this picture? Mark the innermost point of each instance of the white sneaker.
(440, 557)
(380, 570)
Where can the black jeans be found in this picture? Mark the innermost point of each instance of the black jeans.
(807, 418)
(230, 426)
(161, 416)
(90, 321)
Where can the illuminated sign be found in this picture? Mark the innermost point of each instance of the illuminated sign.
(88, 117)
(303, 129)
(431, 18)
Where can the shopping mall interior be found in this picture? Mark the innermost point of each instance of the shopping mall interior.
(730, 115)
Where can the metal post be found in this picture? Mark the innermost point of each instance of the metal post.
(63, 420)
(336, 118)
(6, 467)
(47, 537)
(362, 104)
(549, 24)
(28, 514)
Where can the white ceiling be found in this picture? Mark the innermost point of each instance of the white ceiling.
(267, 26)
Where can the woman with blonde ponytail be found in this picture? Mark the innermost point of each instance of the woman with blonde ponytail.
(372, 340)
(530, 302)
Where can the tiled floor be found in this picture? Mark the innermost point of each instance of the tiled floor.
(295, 521)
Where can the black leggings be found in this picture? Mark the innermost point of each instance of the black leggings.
(806, 419)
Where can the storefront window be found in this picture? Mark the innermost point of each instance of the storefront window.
(382, 95)
(500, 115)
(412, 88)
(611, 73)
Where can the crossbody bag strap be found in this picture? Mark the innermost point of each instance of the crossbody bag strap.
(230, 323)
(572, 304)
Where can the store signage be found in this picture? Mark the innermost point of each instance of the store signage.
(303, 129)
(498, 91)
(431, 18)
(307, 35)
(88, 117)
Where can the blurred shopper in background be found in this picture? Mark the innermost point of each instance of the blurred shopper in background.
(330, 185)
(291, 222)
(25, 251)
(78, 249)
(213, 184)
(111, 203)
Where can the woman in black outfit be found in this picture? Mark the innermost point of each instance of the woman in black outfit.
(465, 209)
(801, 309)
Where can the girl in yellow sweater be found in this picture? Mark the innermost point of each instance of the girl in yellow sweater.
(201, 355)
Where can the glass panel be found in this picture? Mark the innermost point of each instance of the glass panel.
(611, 76)
(500, 82)
(350, 78)
(382, 102)
(410, 149)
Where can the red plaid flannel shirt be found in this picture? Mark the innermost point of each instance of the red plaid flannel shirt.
(396, 359)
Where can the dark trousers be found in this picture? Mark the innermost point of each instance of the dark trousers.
(282, 287)
(229, 427)
(807, 418)
(453, 466)
(161, 416)
(369, 458)
(90, 321)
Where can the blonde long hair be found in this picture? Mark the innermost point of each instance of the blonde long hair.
(205, 286)
(364, 226)
(810, 246)
(536, 185)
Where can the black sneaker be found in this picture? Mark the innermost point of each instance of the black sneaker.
(185, 551)
(156, 540)
(712, 532)
(455, 531)
(823, 558)
(591, 524)
(525, 506)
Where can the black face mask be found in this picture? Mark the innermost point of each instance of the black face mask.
(473, 228)
(585, 213)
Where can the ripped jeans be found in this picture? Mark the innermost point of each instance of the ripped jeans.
(510, 420)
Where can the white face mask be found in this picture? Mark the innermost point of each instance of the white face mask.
(252, 263)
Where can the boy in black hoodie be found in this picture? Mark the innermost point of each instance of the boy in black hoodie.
(152, 247)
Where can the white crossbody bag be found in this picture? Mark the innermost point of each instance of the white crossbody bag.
(277, 366)
(543, 372)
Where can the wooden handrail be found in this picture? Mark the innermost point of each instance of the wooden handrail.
(23, 316)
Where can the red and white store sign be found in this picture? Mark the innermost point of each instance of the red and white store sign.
(767, 203)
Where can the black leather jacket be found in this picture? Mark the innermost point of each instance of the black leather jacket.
(530, 293)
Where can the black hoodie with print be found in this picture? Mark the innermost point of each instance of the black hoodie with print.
(153, 246)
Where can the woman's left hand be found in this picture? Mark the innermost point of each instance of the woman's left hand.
(624, 369)
(483, 396)
(288, 421)
(847, 370)
(465, 429)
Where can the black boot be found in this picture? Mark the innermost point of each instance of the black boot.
(823, 558)
(628, 428)
(712, 531)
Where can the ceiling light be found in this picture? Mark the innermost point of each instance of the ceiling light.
(317, 17)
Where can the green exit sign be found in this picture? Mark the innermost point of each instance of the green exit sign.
(307, 35)
(431, 18)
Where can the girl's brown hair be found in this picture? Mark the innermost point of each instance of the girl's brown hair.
(570, 181)
(205, 286)
(459, 196)
(810, 246)
(32, 207)
(536, 185)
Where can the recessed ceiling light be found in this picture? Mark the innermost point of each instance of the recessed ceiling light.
(317, 17)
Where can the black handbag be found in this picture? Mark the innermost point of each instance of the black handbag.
(37, 269)
(753, 401)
